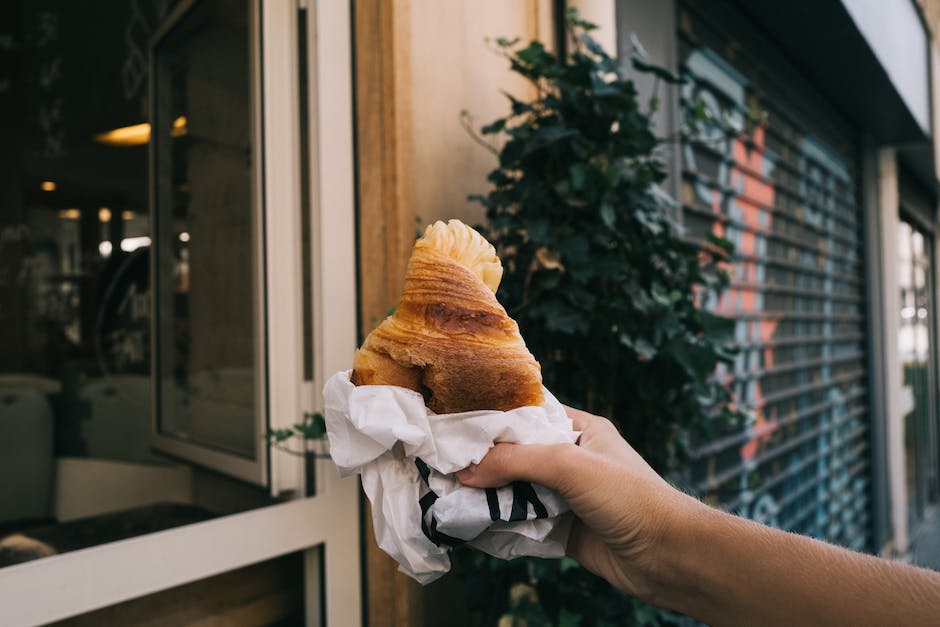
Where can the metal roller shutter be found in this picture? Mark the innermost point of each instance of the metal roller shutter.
(785, 192)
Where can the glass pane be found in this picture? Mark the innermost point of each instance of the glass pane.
(914, 343)
(206, 253)
(904, 241)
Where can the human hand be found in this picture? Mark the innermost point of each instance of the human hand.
(623, 509)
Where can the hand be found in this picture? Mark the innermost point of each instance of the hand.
(623, 508)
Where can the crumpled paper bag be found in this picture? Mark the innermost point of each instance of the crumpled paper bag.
(407, 456)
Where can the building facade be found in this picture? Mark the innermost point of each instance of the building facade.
(205, 204)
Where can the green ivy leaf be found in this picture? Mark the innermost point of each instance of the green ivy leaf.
(658, 71)
(314, 427)
(593, 46)
(575, 249)
(573, 19)
(721, 242)
(608, 216)
(494, 127)
(547, 136)
(567, 564)
(644, 348)
(578, 174)
(533, 54)
(561, 317)
(567, 618)
(645, 614)
(278, 435)
(718, 328)
(540, 232)
(699, 360)
(519, 107)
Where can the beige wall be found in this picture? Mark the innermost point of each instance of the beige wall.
(602, 13)
(930, 9)
(453, 69)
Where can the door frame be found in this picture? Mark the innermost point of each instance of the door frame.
(326, 526)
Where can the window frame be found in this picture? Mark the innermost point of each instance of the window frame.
(251, 469)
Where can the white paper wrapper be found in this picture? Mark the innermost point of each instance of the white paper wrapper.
(407, 456)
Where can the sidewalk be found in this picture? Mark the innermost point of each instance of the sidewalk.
(925, 545)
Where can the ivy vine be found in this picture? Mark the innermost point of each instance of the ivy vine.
(606, 291)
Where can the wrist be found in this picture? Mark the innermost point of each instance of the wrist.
(676, 578)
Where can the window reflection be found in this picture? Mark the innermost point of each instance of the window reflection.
(914, 344)
(206, 253)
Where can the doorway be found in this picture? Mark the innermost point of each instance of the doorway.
(917, 346)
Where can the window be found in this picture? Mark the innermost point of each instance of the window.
(208, 241)
(917, 358)
(81, 460)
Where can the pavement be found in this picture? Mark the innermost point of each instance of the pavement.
(925, 544)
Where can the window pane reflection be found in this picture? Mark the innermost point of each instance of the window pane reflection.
(914, 344)
(206, 251)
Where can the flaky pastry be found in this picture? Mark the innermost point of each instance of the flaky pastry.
(449, 337)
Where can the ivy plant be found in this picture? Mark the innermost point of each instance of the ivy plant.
(605, 289)
(311, 428)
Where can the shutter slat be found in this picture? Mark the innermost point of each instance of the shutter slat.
(787, 446)
(737, 439)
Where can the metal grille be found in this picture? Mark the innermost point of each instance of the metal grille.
(782, 188)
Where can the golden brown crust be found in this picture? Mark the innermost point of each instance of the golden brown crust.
(449, 338)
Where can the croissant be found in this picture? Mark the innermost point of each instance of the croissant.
(449, 337)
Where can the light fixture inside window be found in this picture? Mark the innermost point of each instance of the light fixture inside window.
(138, 134)
(130, 244)
(104, 214)
(127, 215)
(70, 214)
(47, 186)
(179, 127)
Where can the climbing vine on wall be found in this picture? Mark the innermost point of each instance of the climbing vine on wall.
(605, 289)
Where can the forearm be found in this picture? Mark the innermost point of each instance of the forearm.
(725, 570)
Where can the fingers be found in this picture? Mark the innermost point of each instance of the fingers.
(583, 421)
(580, 419)
(540, 463)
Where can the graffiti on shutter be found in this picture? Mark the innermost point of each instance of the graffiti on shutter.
(762, 175)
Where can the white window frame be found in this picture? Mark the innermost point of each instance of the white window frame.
(252, 469)
(73, 583)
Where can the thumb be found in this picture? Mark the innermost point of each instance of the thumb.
(550, 465)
